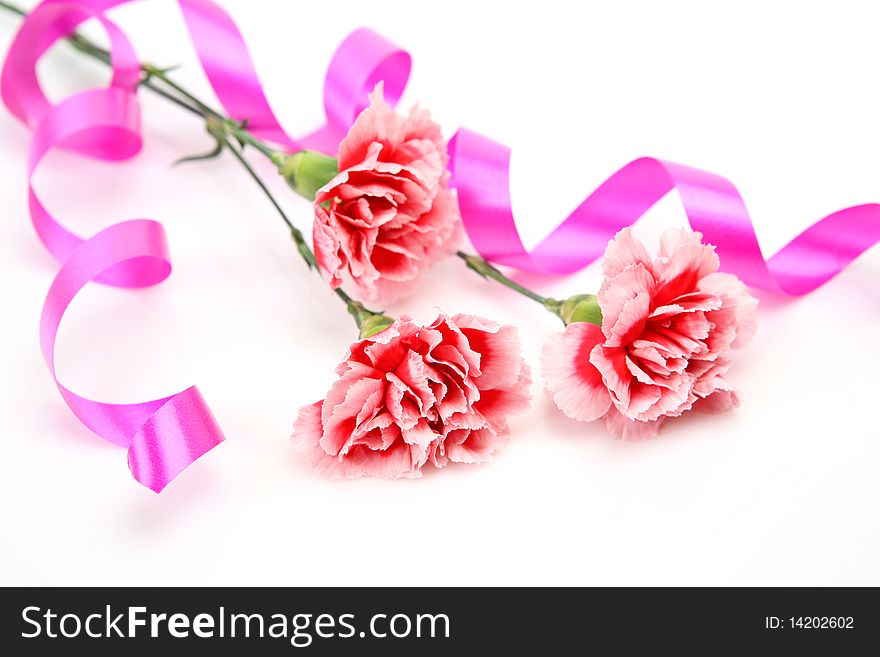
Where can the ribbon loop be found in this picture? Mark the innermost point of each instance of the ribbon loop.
(100, 123)
(174, 436)
(51, 21)
(163, 435)
(359, 63)
(362, 60)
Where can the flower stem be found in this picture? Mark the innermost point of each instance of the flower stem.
(484, 269)
(152, 71)
(357, 310)
(302, 245)
(174, 99)
(12, 8)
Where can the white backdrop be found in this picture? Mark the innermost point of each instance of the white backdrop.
(780, 97)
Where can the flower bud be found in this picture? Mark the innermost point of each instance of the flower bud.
(581, 308)
(306, 171)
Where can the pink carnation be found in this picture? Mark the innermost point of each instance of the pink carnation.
(389, 213)
(411, 394)
(668, 327)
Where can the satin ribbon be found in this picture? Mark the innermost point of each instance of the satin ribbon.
(361, 60)
(163, 436)
(480, 170)
(166, 435)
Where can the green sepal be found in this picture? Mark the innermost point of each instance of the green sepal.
(307, 171)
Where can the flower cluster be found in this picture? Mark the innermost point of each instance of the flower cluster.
(652, 345)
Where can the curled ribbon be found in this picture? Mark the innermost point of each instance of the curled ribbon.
(361, 60)
(166, 435)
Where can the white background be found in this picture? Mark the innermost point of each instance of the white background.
(781, 98)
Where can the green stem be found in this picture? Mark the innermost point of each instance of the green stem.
(13, 8)
(153, 71)
(174, 99)
(233, 127)
(486, 270)
(297, 234)
(85, 46)
(364, 319)
(238, 131)
(577, 308)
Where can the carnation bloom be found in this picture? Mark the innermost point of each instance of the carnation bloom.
(668, 327)
(410, 395)
(389, 213)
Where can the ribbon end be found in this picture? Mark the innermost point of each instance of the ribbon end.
(179, 433)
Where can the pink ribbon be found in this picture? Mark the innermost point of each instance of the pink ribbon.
(166, 435)
(362, 59)
(163, 436)
(480, 170)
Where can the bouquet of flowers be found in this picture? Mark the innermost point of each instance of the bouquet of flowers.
(390, 198)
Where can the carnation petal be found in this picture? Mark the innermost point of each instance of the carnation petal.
(719, 401)
(631, 321)
(307, 429)
(623, 251)
(499, 349)
(624, 428)
(683, 261)
(738, 311)
(340, 421)
(398, 461)
(616, 292)
(327, 248)
(611, 364)
(497, 404)
(571, 379)
(474, 446)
